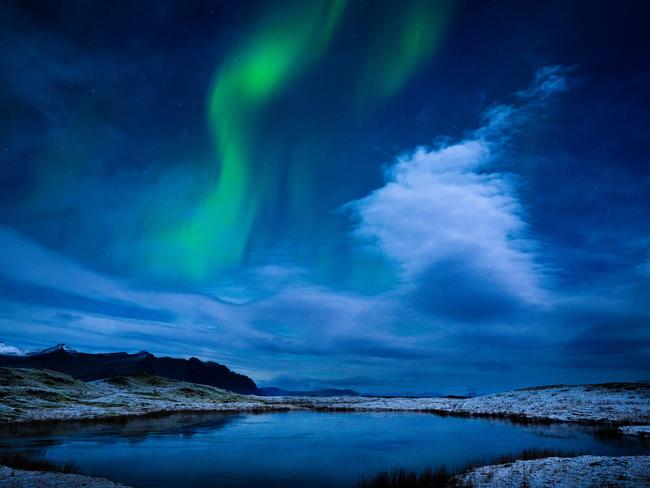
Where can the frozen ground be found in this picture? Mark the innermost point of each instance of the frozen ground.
(28, 395)
(609, 402)
(582, 471)
(640, 430)
(16, 478)
(33, 395)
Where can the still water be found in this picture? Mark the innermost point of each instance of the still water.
(293, 449)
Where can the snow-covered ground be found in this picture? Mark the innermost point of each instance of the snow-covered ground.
(38, 395)
(582, 471)
(613, 402)
(16, 478)
(640, 430)
(27, 395)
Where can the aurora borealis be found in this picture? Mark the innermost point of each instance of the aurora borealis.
(277, 52)
(417, 195)
(247, 80)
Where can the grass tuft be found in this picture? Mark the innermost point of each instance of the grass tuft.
(22, 461)
(402, 478)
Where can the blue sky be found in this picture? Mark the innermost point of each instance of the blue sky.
(464, 210)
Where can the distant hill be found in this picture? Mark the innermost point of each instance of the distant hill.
(272, 392)
(88, 367)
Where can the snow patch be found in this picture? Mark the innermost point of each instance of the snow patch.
(583, 471)
(640, 430)
(17, 478)
(58, 347)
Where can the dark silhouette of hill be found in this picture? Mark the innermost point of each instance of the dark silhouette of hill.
(88, 367)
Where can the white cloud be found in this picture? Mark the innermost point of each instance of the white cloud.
(11, 350)
(446, 203)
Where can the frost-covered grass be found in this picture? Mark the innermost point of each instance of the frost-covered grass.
(17, 478)
(33, 395)
(611, 402)
(640, 430)
(39, 395)
(582, 471)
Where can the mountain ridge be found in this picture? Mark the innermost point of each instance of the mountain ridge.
(271, 391)
(89, 367)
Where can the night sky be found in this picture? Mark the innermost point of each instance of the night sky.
(387, 196)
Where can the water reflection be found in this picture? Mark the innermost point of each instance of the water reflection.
(134, 428)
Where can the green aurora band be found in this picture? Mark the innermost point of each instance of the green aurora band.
(284, 45)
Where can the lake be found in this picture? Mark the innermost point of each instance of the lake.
(292, 449)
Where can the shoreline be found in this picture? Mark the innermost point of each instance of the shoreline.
(44, 396)
(584, 471)
(604, 427)
(587, 470)
(23, 478)
(33, 398)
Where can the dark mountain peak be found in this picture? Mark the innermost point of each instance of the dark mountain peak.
(88, 367)
(59, 348)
